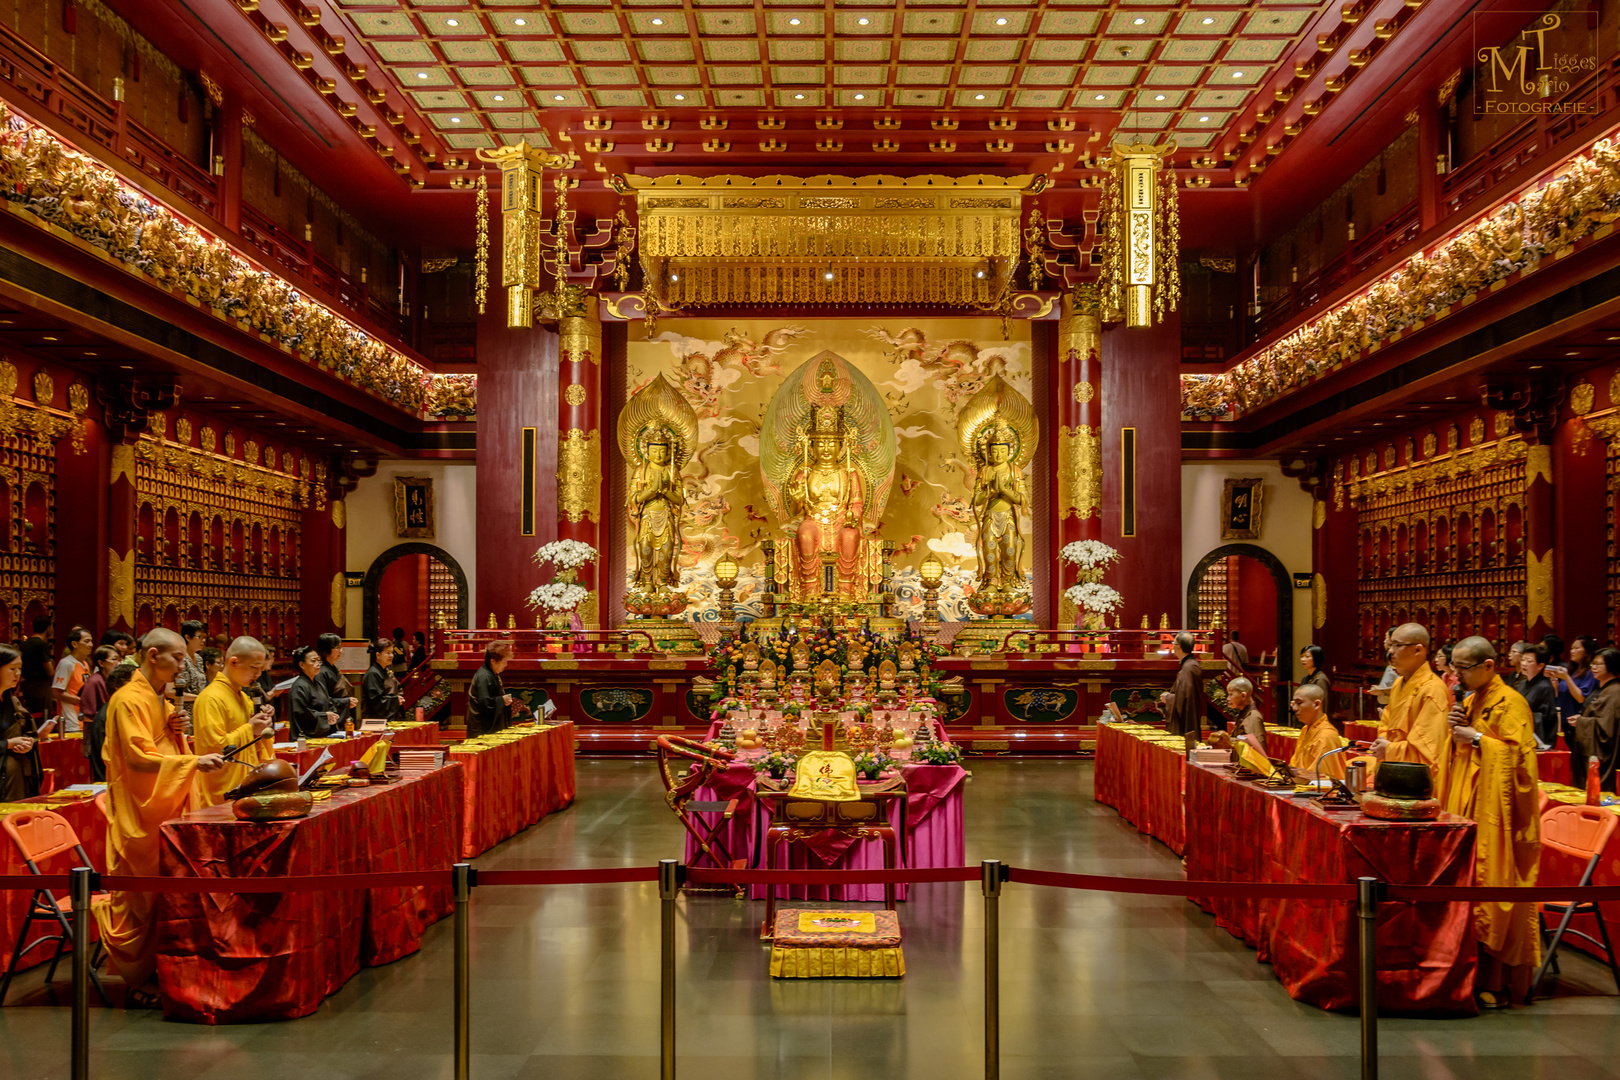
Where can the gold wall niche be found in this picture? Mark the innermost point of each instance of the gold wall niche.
(729, 370)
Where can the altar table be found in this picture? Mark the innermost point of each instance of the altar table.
(1280, 742)
(345, 751)
(233, 958)
(1240, 831)
(930, 817)
(1143, 781)
(513, 784)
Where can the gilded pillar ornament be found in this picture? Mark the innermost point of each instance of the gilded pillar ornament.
(1141, 277)
(522, 213)
(1079, 410)
(657, 433)
(579, 420)
(996, 431)
(1538, 540)
(122, 506)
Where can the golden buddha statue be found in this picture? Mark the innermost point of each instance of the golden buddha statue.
(657, 431)
(827, 452)
(997, 430)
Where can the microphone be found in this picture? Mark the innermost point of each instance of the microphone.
(1459, 691)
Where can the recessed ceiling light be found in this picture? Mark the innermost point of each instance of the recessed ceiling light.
(89, 354)
(1237, 74)
(525, 22)
(798, 97)
(1001, 22)
(1208, 20)
(868, 22)
(1572, 354)
(1158, 97)
(556, 97)
(49, 338)
(500, 97)
(680, 97)
(1203, 119)
(1535, 367)
(451, 22)
(1451, 397)
(1612, 337)
(862, 97)
(793, 22)
(978, 97)
(126, 367)
(1102, 97)
(658, 22)
(421, 74)
(455, 119)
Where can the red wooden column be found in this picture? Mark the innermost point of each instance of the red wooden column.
(121, 508)
(1079, 415)
(1335, 621)
(81, 529)
(581, 444)
(323, 598)
(517, 390)
(1539, 535)
(1578, 461)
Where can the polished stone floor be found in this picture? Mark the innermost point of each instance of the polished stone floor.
(1093, 985)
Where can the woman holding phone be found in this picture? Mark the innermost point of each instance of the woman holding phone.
(1573, 681)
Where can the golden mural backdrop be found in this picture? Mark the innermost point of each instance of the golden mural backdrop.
(923, 372)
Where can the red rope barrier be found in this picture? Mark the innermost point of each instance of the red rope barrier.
(831, 877)
(567, 877)
(1175, 887)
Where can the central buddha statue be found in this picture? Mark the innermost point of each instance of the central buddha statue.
(827, 452)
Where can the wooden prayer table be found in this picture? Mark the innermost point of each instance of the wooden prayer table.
(511, 783)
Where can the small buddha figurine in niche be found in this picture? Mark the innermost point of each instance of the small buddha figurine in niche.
(886, 675)
(801, 656)
(828, 680)
(767, 674)
(908, 656)
(750, 657)
(857, 655)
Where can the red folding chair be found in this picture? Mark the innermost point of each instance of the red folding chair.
(1584, 832)
(39, 835)
(680, 787)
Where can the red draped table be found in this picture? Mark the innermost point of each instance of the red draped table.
(1281, 741)
(1241, 832)
(514, 778)
(344, 751)
(930, 817)
(235, 958)
(1142, 779)
(66, 756)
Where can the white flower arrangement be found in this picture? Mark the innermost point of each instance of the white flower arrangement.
(566, 554)
(558, 596)
(1094, 598)
(1089, 554)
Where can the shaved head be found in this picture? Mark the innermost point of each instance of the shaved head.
(1474, 649)
(162, 638)
(162, 653)
(246, 648)
(1414, 633)
(1311, 692)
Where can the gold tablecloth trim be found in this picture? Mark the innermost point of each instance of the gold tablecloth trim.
(843, 963)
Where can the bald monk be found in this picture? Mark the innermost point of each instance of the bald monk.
(149, 781)
(223, 715)
(1414, 724)
(1317, 736)
(1491, 777)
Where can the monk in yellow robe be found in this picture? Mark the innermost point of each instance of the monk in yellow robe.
(1317, 736)
(1414, 724)
(149, 781)
(223, 716)
(1491, 778)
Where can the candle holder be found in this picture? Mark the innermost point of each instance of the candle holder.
(725, 576)
(931, 571)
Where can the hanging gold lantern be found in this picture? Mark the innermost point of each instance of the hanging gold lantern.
(1141, 277)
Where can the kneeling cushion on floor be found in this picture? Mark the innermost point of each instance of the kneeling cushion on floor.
(820, 944)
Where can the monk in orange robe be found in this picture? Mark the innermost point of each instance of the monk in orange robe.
(149, 781)
(223, 716)
(1491, 778)
(1414, 724)
(1317, 736)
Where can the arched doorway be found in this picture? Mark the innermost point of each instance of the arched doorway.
(409, 585)
(1253, 592)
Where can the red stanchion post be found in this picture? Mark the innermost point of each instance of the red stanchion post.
(461, 879)
(990, 881)
(1369, 891)
(79, 888)
(668, 887)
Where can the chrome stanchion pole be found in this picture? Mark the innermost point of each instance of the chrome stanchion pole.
(1369, 891)
(79, 888)
(668, 887)
(461, 874)
(990, 880)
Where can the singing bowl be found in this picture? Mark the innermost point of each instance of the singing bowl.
(273, 806)
(272, 776)
(1403, 780)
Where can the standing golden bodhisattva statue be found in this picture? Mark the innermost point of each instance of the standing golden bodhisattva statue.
(657, 430)
(997, 430)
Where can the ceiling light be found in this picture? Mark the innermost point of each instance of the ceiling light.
(126, 367)
(1139, 21)
(828, 275)
(868, 22)
(979, 274)
(49, 338)
(89, 354)
(1102, 97)
(500, 97)
(978, 97)
(451, 22)
(525, 22)
(1535, 367)
(1001, 22)
(1203, 119)
(1572, 354)
(1612, 337)
(680, 97)
(556, 97)
(1158, 97)
(798, 97)
(1237, 74)
(860, 97)
(421, 74)
(1208, 20)
(658, 22)
(674, 277)
(455, 119)
(793, 22)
